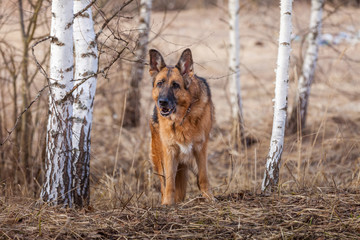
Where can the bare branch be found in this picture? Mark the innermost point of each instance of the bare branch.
(33, 22)
(103, 71)
(20, 115)
(42, 70)
(21, 11)
(107, 21)
(84, 10)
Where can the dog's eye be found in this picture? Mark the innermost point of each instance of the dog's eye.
(160, 83)
(175, 85)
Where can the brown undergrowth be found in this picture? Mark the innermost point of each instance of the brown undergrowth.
(317, 214)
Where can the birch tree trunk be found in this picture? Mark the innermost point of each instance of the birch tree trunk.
(132, 112)
(271, 175)
(234, 71)
(58, 177)
(86, 65)
(298, 115)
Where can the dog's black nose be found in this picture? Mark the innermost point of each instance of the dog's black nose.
(163, 102)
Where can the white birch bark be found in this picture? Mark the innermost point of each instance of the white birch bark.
(86, 64)
(298, 115)
(143, 28)
(271, 175)
(57, 187)
(234, 68)
(132, 114)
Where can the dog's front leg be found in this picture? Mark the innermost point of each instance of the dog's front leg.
(170, 165)
(202, 177)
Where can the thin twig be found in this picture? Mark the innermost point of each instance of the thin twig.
(107, 21)
(20, 115)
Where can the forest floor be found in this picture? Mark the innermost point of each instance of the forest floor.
(319, 190)
(318, 215)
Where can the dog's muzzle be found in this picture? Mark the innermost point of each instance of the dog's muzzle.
(166, 107)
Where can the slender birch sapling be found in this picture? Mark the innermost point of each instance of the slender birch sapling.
(234, 70)
(299, 111)
(272, 169)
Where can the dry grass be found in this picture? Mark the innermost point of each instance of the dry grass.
(319, 195)
(321, 214)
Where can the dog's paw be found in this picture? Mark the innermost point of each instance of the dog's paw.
(168, 202)
(209, 197)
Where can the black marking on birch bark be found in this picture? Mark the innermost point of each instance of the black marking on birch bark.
(89, 54)
(86, 184)
(77, 120)
(67, 97)
(53, 133)
(84, 15)
(287, 13)
(273, 156)
(92, 44)
(315, 34)
(69, 25)
(56, 41)
(87, 73)
(285, 44)
(69, 69)
(53, 14)
(81, 170)
(81, 106)
(60, 193)
(142, 20)
(58, 85)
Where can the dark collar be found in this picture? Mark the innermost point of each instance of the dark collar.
(188, 111)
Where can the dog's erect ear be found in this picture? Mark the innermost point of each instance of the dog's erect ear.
(185, 64)
(156, 62)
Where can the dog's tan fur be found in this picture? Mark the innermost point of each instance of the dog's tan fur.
(180, 139)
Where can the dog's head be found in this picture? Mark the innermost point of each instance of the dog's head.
(171, 84)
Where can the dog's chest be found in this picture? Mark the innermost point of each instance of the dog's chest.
(185, 148)
(185, 152)
(183, 142)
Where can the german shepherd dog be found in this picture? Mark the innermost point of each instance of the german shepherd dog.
(180, 126)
